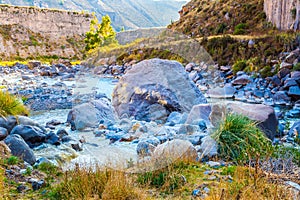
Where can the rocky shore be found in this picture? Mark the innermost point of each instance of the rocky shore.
(156, 105)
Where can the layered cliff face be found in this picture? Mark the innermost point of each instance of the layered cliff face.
(32, 32)
(53, 23)
(284, 14)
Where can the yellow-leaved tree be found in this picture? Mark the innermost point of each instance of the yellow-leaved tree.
(100, 34)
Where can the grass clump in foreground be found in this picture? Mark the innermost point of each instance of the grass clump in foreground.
(10, 105)
(241, 140)
(96, 183)
(176, 181)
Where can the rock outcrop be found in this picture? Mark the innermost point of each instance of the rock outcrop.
(152, 89)
(54, 23)
(32, 32)
(284, 14)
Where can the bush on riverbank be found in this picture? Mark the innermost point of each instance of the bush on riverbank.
(241, 140)
(10, 105)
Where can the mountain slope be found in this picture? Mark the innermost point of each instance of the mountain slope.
(214, 17)
(129, 14)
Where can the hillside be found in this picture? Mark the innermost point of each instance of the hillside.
(207, 17)
(130, 14)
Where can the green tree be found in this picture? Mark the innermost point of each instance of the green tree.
(100, 34)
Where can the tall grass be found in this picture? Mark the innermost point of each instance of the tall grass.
(240, 140)
(249, 185)
(10, 105)
(96, 183)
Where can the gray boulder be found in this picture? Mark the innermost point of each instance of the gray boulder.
(23, 120)
(146, 146)
(89, 115)
(295, 130)
(264, 115)
(208, 147)
(19, 148)
(198, 112)
(3, 133)
(226, 92)
(32, 135)
(152, 89)
(281, 98)
(177, 149)
(9, 123)
(241, 80)
(294, 92)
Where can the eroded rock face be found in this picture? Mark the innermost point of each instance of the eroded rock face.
(284, 14)
(152, 89)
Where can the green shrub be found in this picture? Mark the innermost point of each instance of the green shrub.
(240, 29)
(239, 65)
(266, 72)
(240, 140)
(10, 105)
(221, 28)
(287, 152)
(48, 168)
(12, 160)
(296, 67)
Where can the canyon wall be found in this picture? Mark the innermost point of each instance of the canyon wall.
(29, 32)
(54, 23)
(284, 14)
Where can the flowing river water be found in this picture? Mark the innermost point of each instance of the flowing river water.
(95, 149)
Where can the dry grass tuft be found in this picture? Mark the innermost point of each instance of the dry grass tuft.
(248, 184)
(10, 105)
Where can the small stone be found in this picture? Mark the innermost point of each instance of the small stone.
(21, 188)
(206, 190)
(76, 146)
(293, 184)
(211, 178)
(196, 192)
(37, 184)
(286, 65)
(213, 164)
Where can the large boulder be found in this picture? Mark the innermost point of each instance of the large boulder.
(199, 112)
(174, 150)
(19, 148)
(23, 120)
(32, 135)
(89, 115)
(152, 89)
(8, 123)
(264, 115)
(3, 133)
